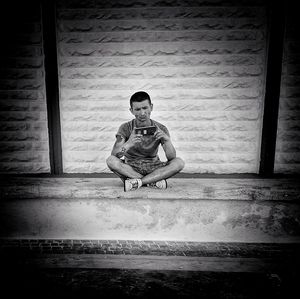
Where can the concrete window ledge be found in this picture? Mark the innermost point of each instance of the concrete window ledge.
(285, 189)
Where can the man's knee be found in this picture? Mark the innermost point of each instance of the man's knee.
(178, 164)
(113, 162)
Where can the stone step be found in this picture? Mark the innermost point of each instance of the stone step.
(201, 210)
(220, 188)
(158, 263)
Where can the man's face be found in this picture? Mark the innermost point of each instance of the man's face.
(142, 112)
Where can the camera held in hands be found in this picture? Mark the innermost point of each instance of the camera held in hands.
(145, 130)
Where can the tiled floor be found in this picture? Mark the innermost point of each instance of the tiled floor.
(97, 269)
(135, 247)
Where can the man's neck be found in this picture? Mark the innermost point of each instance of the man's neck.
(143, 124)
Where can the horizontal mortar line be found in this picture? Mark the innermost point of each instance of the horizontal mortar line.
(165, 42)
(123, 109)
(173, 56)
(20, 44)
(31, 113)
(43, 111)
(89, 100)
(173, 130)
(260, 55)
(199, 163)
(103, 154)
(162, 88)
(182, 72)
(157, 8)
(22, 90)
(14, 68)
(116, 125)
(162, 31)
(23, 58)
(61, 21)
(92, 100)
(32, 22)
(100, 67)
(150, 262)
(184, 67)
(25, 101)
(212, 55)
(31, 151)
(188, 126)
(65, 119)
(35, 46)
(26, 141)
(178, 142)
(259, 29)
(288, 153)
(192, 163)
(152, 78)
(159, 41)
(148, 78)
(200, 67)
(100, 153)
(185, 39)
(153, 89)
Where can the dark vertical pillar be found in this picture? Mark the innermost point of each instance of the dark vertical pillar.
(273, 80)
(52, 88)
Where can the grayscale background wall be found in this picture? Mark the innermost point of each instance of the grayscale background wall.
(23, 115)
(287, 159)
(202, 62)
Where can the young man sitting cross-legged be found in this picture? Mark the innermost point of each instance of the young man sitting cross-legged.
(134, 155)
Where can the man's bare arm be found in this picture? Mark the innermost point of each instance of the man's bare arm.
(118, 148)
(121, 146)
(169, 150)
(166, 144)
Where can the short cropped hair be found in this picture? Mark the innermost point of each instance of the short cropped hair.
(140, 96)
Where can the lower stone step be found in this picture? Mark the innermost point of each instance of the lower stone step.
(151, 219)
(190, 210)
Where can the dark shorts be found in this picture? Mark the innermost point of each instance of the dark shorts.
(145, 167)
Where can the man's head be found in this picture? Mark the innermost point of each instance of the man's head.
(141, 107)
(140, 96)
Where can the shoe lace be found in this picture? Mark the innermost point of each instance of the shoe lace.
(134, 184)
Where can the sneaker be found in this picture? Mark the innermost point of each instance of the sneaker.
(132, 184)
(159, 184)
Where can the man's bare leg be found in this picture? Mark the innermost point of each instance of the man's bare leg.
(126, 171)
(174, 166)
(121, 169)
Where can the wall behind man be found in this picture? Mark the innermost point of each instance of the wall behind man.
(202, 62)
(23, 116)
(287, 158)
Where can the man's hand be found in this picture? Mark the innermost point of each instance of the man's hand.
(166, 143)
(134, 138)
(160, 135)
(121, 147)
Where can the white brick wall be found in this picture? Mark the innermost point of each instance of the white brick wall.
(287, 158)
(202, 62)
(23, 116)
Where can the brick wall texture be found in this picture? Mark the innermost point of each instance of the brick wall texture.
(201, 61)
(23, 116)
(287, 159)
